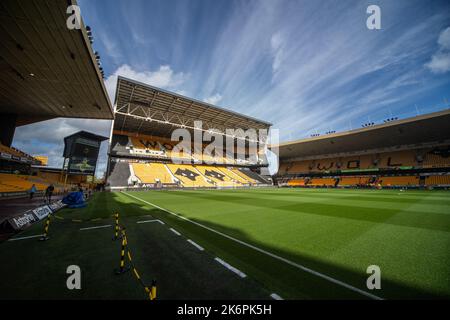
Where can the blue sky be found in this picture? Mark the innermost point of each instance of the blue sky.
(305, 66)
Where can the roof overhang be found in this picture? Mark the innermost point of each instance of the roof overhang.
(147, 109)
(415, 131)
(47, 70)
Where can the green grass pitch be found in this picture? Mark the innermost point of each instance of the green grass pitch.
(337, 233)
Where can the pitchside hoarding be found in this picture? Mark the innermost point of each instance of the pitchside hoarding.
(24, 220)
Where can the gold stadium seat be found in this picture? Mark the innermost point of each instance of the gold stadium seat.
(435, 161)
(234, 176)
(399, 181)
(188, 175)
(322, 181)
(152, 172)
(216, 175)
(243, 176)
(437, 180)
(13, 182)
(296, 182)
(353, 181)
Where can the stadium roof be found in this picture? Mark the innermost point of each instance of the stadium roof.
(146, 109)
(47, 70)
(428, 128)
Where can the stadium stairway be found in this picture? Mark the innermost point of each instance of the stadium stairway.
(119, 174)
(254, 176)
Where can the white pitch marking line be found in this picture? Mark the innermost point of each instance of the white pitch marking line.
(98, 227)
(294, 264)
(147, 221)
(23, 238)
(230, 267)
(274, 296)
(195, 245)
(175, 231)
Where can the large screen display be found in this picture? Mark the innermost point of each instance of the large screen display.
(84, 156)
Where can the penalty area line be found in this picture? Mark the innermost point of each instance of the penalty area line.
(98, 227)
(24, 238)
(148, 221)
(291, 263)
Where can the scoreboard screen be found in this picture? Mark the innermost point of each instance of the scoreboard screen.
(84, 154)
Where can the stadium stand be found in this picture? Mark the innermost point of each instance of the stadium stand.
(189, 175)
(254, 176)
(148, 148)
(296, 182)
(120, 144)
(438, 180)
(433, 159)
(245, 177)
(399, 181)
(413, 152)
(217, 176)
(354, 181)
(119, 174)
(235, 176)
(152, 172)
(17, 183)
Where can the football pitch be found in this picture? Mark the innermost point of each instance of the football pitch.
(297, 243)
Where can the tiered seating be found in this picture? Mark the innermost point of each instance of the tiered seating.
(152, 172)
(296, 182)
(188, 175)
(322, 182)
(244, 176)
(163, 148)
(15, 183)
(217, 176)
(353, 181)
(367, 162)
(399, 181)
(233, 174)
(435, 161)
(437, 180)
(51, 177)
(253, 175)
(406, 158)
(9, 150)
(144, 143)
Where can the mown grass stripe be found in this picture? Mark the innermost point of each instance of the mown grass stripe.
(294, 264)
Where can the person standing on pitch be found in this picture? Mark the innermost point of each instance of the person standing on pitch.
(32, 191)
(48, 193)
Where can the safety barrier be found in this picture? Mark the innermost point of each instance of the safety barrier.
(45, 236)
(151, 291)
(46, 229)
(116, 227)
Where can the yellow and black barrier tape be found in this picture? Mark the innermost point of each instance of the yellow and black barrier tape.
(151, 291)
(46, 229)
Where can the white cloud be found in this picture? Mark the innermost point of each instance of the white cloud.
(444, 39)
(213, 99)
(277, 45)
(164, 77)
(440, 61)
(46, 138)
